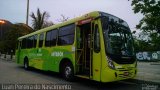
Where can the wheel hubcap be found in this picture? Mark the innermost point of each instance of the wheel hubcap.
(25, 65)
(67, 71)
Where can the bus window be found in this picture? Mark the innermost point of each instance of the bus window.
(34, 41)
(18, 44)
(29, 42)
(24, 43)
(66, 35)
(48, 39)
(96, 40)
(51, 38)
(41, 36)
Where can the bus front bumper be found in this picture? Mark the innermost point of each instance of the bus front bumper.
(110, 75)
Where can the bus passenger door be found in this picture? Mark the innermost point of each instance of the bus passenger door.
(96, 63)
(88, 57)
(84, 50)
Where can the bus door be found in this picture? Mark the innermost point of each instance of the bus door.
(96, 51)
(88, 55)
(84, 49)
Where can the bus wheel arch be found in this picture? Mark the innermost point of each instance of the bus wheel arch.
(66, 69)
(26, 63)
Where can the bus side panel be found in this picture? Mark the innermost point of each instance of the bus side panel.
(44, 56)
(23, 53)
(17, 54)
(96, 66)
(34, 61)
(56, 54)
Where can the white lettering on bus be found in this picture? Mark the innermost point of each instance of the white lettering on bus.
(39, 50)
(57, 54)
(39, 54)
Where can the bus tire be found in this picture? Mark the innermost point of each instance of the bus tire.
(68, 72)
(26, 64)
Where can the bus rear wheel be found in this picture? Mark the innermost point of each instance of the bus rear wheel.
(68, 72)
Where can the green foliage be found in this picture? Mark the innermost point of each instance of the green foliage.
(151, 11)
(147, 41)
(2, 46)
(10, 40)
(155, 41)
(142, 45)
(149, 24)
(63, 18)
(40, 21)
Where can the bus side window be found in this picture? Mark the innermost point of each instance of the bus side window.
(51, 38)
(30, 42)
(19, 45)
(48, 38)
(96, 39)
(66, 35)
(41, 36)
(34, 41)
(24, 43)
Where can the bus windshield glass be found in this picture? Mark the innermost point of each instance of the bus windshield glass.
(117, 36)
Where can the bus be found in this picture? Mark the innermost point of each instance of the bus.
(96, 46)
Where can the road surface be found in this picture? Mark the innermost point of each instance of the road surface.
(11, 73)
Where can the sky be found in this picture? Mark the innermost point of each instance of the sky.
(15, 10)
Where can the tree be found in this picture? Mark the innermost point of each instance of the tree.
(151, 11)
(149, 24)
(142, 42)
(40, 21)
(11, 36)
(48, 23)
(63, 19)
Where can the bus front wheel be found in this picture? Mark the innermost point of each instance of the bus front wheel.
(68, 72)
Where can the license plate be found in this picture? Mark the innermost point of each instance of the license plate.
(126, 73)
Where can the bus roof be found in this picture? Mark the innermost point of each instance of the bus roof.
(86, 16)
(93, 14)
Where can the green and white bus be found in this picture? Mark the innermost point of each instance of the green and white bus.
(96, 46)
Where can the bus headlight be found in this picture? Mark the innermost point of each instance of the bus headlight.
(110, 63)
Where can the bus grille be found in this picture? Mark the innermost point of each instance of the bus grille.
(125, 72)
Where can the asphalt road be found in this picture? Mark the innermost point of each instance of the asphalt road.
(149, 71)
(11, 73)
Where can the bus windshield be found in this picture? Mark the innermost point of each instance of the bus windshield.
(117, 37)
